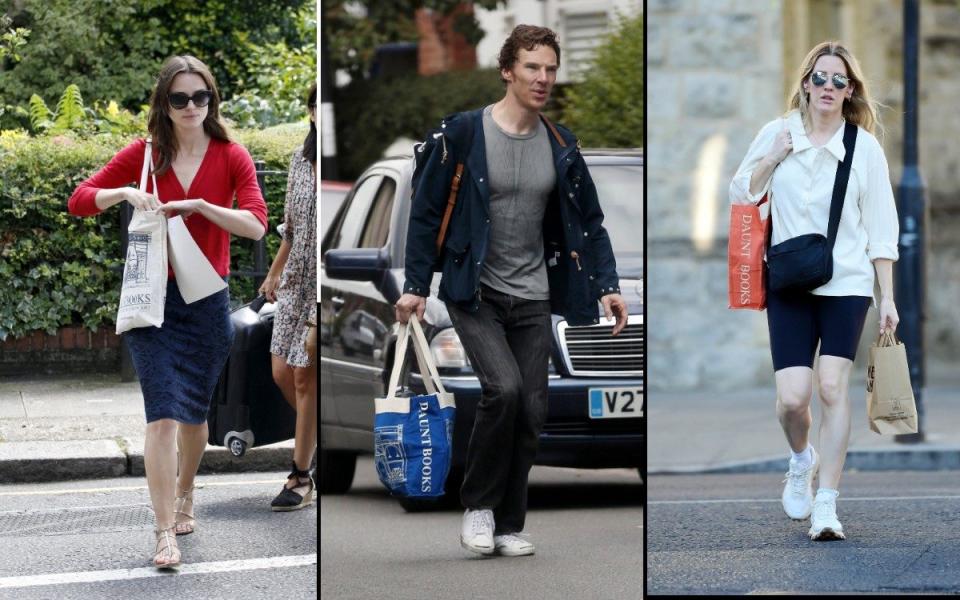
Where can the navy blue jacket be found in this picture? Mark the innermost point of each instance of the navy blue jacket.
(580, 263)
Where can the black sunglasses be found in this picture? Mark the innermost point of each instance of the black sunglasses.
(200, 99)
(819, 79)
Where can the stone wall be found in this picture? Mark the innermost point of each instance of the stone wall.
(717, 71)
(714, 77)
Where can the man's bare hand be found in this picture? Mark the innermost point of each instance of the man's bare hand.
(408, 304)
(615, 305)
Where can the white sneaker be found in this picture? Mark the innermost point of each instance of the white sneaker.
(476, 532)
(512, 544)
(824, 524)
(797, 497)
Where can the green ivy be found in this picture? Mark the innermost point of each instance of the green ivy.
(59, 270)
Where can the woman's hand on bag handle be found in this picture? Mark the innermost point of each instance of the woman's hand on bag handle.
(269, 287)
(407, 305)
(140, 200)
(888, 315)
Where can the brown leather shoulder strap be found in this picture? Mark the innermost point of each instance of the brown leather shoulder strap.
(553, 129)
(448, 211)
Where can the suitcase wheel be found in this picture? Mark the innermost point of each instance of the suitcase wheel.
(237, 446)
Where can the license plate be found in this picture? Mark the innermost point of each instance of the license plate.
(616, 403)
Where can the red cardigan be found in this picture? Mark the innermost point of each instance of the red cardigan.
(226, 170)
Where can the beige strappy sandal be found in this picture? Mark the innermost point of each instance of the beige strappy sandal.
(189, 524)
(167, 553)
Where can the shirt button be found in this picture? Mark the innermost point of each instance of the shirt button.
(478, 263)
(444, 125)
(570, 194)
(584, 234)
(488, 220)
(481, 180)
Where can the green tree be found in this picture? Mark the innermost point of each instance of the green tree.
(11, 39)
(353, 36)
(605, 109)
(112, 50)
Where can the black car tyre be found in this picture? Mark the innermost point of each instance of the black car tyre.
(336, 471)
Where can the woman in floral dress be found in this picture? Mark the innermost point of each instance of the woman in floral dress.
(292, 283)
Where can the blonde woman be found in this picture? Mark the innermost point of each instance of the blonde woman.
(795, 159)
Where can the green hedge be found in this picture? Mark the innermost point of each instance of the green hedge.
(60, 270)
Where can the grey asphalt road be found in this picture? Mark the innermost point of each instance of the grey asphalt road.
(727, 534)
(94, 539)
(587, 527)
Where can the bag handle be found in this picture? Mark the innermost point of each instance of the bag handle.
(148, 168)
(428, 369)
(887, 338)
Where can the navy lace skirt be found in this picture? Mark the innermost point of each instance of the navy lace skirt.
(179, 364)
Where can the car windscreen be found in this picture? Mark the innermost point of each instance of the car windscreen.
(620, 190)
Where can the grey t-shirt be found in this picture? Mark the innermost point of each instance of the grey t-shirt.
(521, 173)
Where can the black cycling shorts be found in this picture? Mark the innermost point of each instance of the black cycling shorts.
(798, 320)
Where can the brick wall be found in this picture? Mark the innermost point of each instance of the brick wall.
(440, 48)
(73, 349)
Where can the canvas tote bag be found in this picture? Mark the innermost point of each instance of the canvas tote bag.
(144, 290)
(890, 404)
(746, 246)
(413, 435)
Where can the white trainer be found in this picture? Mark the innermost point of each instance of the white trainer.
(797, 497)
(512, 544)
(476, 532)
(824, 524)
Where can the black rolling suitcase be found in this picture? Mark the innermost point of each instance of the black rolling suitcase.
(248, 409)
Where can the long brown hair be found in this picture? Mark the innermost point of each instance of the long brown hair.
(159, 123)
(861, 109)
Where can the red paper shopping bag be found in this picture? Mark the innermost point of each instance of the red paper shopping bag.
(746, 247)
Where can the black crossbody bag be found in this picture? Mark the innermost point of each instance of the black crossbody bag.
(805, 262)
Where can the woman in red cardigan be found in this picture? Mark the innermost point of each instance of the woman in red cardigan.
(199, 171)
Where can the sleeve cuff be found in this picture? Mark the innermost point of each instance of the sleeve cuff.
(887, 251)
(409, 288)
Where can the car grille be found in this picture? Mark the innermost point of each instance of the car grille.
(592, 351)
(594, 427)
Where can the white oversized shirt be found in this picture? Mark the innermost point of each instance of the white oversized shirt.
(801, 189)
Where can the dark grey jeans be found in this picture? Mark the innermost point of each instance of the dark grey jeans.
(508, 342)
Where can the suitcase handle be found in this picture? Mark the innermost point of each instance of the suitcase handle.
(258, 303)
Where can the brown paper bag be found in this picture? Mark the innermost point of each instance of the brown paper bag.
(890, 404)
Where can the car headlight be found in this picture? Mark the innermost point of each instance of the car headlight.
(448, 353)
(447, 350)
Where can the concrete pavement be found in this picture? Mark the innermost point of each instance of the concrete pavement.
(738, 432)
(92, 426)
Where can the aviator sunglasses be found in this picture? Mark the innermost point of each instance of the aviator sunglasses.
(819, 79)
(200, 99)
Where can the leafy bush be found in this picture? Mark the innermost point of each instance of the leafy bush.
(372, 114)
(114, 49)
(606, 108)
(59, 270)
(276, 89)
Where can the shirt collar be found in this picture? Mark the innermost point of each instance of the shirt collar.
(801, 142)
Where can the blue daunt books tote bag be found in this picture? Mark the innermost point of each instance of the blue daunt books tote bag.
(413, 435)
